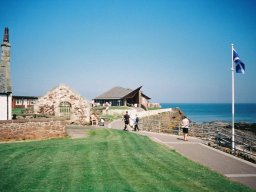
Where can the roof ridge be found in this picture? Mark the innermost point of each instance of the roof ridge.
(116, 93)
(64, 86)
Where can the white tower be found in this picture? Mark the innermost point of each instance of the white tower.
(5, 79)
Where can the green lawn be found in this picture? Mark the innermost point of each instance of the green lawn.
(107, 160)
(120, 107)
(17, 111)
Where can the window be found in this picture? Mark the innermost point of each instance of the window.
(65, 109)
(18, 102)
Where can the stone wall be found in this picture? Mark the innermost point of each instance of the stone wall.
(49, 104)
(32, 129)
(166, 121)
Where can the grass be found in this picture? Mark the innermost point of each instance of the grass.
(119, 107)
(111, 117)
(17, 111)
(107, 160)
(154, 108)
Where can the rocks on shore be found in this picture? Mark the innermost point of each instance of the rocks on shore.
(241, 126)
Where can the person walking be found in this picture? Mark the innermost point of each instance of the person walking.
(185, 127)
(126, 120)
(136, 123)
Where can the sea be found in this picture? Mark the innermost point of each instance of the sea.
(202, 112)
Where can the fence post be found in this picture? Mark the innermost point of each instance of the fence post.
(218, 136)
(202, 129)
(179, 129)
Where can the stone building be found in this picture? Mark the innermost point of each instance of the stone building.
(5, 79)
(63, 102)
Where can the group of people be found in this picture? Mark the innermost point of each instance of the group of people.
(126, 120)
(185, 124)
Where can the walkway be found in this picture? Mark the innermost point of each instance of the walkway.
(77, 131)
(232, 167)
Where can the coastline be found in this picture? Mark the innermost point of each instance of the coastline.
(216, 112)
(241, 126)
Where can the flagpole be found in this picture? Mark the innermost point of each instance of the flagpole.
(233, 102)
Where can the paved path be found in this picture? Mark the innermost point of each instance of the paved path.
(232, 167)
(77, 132)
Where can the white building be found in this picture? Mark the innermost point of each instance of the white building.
(5, 80)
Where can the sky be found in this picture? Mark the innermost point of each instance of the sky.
(178, 50)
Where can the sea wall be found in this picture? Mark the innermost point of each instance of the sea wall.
(163, 120)
(32, 129)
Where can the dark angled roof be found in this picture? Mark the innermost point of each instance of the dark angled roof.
(145, 96)
(120, 93)
(115, 93)
(132, 93)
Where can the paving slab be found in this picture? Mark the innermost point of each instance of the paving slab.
(77, 131)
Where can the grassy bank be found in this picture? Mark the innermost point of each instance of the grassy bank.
(107, 160)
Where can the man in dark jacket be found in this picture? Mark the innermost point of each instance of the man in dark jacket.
(126, 120)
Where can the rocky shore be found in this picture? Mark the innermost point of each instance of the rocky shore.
(249, 128)
(218, 135)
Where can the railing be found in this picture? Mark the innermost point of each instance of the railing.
(209, 132)
(244, 142)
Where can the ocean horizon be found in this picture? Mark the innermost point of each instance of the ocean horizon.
(208, 112)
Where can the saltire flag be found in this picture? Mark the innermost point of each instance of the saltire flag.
(240, 67)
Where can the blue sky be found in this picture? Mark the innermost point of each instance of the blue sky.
(178, 50)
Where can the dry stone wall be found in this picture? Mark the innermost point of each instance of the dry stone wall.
(32, 129)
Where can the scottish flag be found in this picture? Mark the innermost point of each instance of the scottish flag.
(240, 67)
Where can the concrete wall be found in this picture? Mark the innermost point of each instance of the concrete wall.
(32, 129)
(154, 112)
(134, 111)
(120, 111)
(3, 107)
